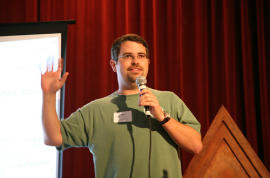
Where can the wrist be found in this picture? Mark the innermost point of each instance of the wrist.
(49, 96)
(166, 118)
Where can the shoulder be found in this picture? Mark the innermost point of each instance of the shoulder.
(98, 103)
(170, 101)
(168, 95)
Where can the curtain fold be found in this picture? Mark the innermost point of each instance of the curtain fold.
(210, 53)
(18, 11)
(264, 75)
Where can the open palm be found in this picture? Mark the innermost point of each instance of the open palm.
(51, 81)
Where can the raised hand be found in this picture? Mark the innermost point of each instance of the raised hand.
(51, 81)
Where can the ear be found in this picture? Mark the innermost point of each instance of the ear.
(113, 64)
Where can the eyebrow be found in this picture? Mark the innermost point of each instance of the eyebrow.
(133, 53)
(127, 53)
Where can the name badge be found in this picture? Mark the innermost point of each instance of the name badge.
(125, 116)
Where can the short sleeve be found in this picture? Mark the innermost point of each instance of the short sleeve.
(74, 131)
(184, 115)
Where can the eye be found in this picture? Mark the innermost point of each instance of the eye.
(141, 56)
(128, 56)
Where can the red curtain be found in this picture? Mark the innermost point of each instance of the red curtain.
(209, 52)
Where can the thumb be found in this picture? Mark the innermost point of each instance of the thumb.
(64, 77)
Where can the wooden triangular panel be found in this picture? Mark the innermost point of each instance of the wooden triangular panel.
(226, 152)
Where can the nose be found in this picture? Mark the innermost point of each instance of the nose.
(134, 60)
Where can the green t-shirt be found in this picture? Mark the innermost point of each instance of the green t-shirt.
(116, 131)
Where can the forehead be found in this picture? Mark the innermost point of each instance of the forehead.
(132, 47)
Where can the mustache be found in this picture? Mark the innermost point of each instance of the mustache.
(135, 67)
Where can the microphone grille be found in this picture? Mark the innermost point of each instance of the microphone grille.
(141, 80)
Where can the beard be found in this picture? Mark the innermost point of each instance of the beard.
(132, 78)
(127, 76)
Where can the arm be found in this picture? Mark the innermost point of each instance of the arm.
(50, 83)
(184, 136)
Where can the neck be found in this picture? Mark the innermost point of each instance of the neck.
(127, 91)
(132, 89)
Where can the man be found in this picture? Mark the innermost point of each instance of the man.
(115, 127)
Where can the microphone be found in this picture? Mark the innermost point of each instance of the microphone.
(141, 82)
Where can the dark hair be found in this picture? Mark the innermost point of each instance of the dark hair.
(128, 37)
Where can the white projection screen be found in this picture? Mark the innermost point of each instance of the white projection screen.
(22, 60)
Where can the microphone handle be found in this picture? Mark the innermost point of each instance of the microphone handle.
(146, 108)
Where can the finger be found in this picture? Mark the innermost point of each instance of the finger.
(147, 95)
(145, 99)
(64, 78)
(47, 69)
(51, 67)
(55, 67)
(148, 103)
(60, 65)
(145, 91)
